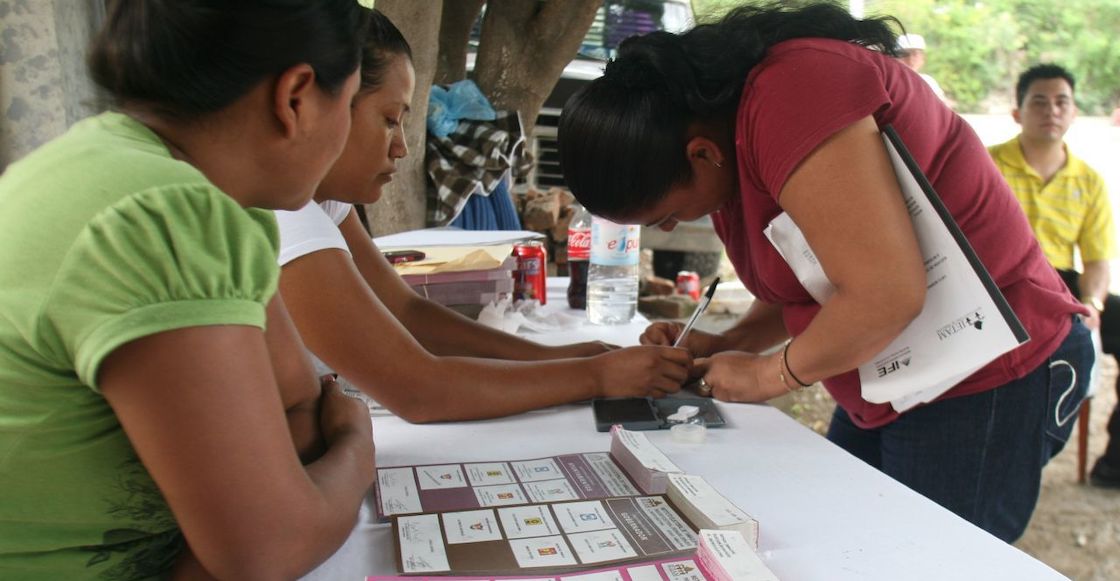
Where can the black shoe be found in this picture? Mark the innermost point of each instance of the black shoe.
(1105, 474)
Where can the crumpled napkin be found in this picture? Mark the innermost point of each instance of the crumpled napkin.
(508, 316)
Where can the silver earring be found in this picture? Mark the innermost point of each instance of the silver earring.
(718, 164)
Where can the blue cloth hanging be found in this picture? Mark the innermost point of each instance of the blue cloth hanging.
(492, 212)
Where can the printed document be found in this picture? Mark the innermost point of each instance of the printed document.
(966, 322)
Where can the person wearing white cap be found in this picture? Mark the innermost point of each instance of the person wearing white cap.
(912, 49)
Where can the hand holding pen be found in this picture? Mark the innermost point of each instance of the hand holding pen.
(699, 343)
(703, 306)
(702, 386)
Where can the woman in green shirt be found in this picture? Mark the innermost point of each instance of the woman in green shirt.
(144, 403)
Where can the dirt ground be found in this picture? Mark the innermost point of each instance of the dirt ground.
(1076, 527)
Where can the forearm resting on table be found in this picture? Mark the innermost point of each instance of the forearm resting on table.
(458, 388)
(442, 331)
(439, 329)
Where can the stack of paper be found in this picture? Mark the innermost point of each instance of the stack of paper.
(462, 275)
(645, 463)
(466, 287)
(726, 556)
(709, 509)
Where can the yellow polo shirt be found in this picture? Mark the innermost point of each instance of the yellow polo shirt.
(1072, 211)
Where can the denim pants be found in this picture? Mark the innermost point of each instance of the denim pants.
(981, 456)
(1110, 339)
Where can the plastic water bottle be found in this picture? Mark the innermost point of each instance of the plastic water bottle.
(612, 277)
(579, 253)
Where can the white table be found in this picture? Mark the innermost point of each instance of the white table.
(823, 514)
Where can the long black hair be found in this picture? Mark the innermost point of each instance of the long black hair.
(185, 58)
(383, 41)
(622, 138)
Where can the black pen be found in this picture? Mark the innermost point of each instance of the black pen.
(703, 306)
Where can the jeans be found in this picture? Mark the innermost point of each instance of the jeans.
(981, 456)
(1110, 343)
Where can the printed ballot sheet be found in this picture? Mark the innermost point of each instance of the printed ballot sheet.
(720, 556)
(627, 470)
(965, 323)
(543, 538)
(415, 489)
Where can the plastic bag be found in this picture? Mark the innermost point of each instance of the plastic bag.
(461, 100)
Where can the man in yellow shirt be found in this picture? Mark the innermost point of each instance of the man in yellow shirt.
(1067, 205)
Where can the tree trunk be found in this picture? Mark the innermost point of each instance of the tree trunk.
(44, 87)
(524, 48)
(454, 35)
(404, 204)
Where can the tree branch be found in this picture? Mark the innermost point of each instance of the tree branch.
(454, 36)
(524, 48)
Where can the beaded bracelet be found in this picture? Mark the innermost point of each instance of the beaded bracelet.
(787, 369)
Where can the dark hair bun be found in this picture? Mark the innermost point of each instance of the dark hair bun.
(634, 72)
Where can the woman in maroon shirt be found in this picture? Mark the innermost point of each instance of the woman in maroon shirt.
(773, 110)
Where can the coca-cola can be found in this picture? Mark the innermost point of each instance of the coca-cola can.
(688, 283)
(531, 277)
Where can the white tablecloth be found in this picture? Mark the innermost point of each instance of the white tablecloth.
(823, 514)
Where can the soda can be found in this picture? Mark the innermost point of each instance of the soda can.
(688, 283)
(531, 276)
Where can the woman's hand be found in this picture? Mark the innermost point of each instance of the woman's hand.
(641, 371)
(699, 343)
(341, 415)
(737, 376)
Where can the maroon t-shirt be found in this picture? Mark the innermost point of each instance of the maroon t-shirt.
(806, 90)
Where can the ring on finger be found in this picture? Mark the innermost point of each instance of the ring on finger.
(704, 387)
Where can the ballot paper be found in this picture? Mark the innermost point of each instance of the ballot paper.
(632, 467)
(965, 323)
(543, 538)
(720, 556)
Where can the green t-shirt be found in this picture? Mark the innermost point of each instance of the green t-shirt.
(104, 238)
